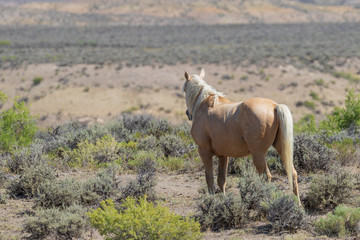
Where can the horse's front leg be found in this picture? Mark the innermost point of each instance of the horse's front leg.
(223, 166)
(206, 157)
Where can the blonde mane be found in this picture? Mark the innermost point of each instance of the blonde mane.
(196, 91)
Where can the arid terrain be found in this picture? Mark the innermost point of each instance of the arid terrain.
(92, 93)
(91, 61)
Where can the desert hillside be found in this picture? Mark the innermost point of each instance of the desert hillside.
(96, 73)
(178, 12)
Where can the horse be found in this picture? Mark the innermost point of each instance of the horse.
(223, 128)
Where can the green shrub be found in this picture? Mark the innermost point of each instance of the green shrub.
(253, 189)
(309, 104)
(129, 145)
(184, 132)
(159, 127)
(24, 157)
(3, 97)
(57, 224)
(68, 136)
(343, 222)
(330, 190)
(306, 124)
(172, 145)
(284, 213)
(147, 143)
(5, 43)
(103, 186)
(118, 130)
(28, 183)
(139, 219)
(105, 150)
(137, 122)
(59, 194)
(37, 80)
(314, 96)
(17, 126)
(66, 192)
(319, 82)
(234, 165)
(3, 198)
(310, 155)
(135, 160)
(144, 124)
(144, 184)
(221, 212)
(344, 118)
(65, 137)
(348, 76)
(346, 151)
(172, 163)
(2, 178)
(274, 162)
(339, 119)
(244, 77)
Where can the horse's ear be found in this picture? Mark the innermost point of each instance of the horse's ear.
(187, 76)
(202, 74)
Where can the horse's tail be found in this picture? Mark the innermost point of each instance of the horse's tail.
(286, 139)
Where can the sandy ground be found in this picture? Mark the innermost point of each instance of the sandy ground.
(99, 93)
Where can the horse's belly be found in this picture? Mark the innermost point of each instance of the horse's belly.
(237, 148)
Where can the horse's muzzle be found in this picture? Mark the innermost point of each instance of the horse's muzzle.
(188, 114)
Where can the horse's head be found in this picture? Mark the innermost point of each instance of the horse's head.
(189, 103)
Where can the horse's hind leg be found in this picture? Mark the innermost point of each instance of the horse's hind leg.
(260, 164)
(268, 173)
(295, 184)
(206, 156)
(223, 166)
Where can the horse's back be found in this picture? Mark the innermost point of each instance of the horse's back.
(243, 127)
(259, 106)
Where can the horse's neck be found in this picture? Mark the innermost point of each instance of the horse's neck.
(213, 101)
(223, 100)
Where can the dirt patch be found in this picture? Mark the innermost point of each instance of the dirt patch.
(13, 215)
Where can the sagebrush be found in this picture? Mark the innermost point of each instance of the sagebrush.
(54, 223)
(310, 155)
(221, 212)
(253, 189)
(143, 185)
(27, 184)
(284, 213)
(330, 190)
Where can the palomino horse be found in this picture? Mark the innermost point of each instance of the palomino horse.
(237, 129)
